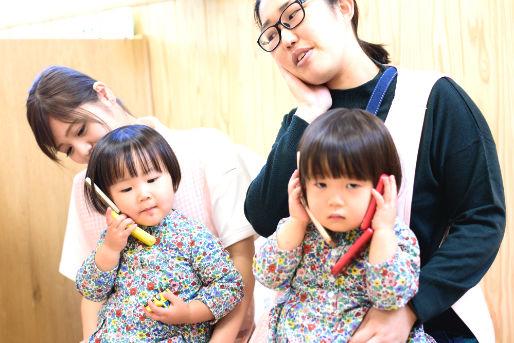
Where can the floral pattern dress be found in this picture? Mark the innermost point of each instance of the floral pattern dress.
(186, 259)
(316, 306)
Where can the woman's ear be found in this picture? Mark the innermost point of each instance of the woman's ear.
(346, 8)
(105, 95)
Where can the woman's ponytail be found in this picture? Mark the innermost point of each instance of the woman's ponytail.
(374, 51)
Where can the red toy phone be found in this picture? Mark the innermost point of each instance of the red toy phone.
(363, 240)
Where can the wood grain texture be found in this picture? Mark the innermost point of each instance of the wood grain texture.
(207, 70)
(471, 42)
(39, 304)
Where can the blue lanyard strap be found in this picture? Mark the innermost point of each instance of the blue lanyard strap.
(380, 90)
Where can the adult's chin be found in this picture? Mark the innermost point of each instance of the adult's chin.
(314, 79)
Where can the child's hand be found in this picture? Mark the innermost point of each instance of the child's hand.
(384, 241)
(107, 255)
(294, 191)
(178, 312)
(385, 213)
(291, 234)
(312, 100)
(118, 230)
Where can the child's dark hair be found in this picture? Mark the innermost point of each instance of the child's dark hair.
(123, 149)
(349, 143)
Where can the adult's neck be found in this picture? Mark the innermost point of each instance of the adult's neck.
(131, 120)
(113, 116)
(125, 118)
(355, 70)
(148, 121)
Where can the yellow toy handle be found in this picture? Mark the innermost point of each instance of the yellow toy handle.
(139, 233)
(159, 300)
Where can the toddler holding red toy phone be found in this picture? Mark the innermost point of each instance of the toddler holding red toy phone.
(342, 155)
(137, 169)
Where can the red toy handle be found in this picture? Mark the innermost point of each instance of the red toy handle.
(363, 240)
(370, 212)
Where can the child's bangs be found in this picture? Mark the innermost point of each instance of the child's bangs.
(133, 156)
(334, 162)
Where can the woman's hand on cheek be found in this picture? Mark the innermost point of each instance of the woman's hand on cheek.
(118, 231)
(380, 326)
(312, 100)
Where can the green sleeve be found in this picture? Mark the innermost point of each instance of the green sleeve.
(458, 185)
(266, 198)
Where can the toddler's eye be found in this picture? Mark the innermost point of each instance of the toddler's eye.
(152, 180)
(125, 190)
(321, 185)
(68, 152)
(352, 185)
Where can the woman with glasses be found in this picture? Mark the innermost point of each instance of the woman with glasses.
(452, 191)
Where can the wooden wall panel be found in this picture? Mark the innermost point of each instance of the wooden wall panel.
(206, 70)
(471, 42)
(38, 303)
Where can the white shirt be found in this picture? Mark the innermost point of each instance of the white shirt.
(215, 176)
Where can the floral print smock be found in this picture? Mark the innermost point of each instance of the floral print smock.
(185, 258)
(316, 306)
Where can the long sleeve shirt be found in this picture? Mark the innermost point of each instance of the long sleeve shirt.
(458, 185)
(186, 259)
(318, 305)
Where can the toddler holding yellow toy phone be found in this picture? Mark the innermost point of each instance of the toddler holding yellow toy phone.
(138, 170)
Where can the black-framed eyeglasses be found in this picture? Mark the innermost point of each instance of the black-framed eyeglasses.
(291, 17)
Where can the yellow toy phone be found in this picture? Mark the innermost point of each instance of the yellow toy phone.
(159, 300)
(138, 233)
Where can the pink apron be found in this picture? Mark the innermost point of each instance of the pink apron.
(471, 307)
